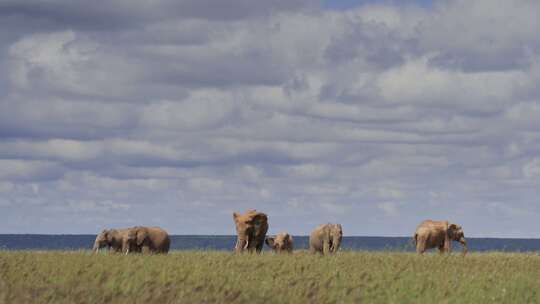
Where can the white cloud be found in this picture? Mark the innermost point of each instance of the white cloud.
(105, 206)
(389, 208)
(531, 169)
(416, 82)
(203, 111)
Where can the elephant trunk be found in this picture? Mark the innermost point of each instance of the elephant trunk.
(336, 242)
(126, 246)
(464, 244)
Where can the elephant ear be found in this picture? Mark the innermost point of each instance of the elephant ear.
(108, 235)
(288, 239)
(452, 229)
(141, 236)
(259, 219)
(270, 241)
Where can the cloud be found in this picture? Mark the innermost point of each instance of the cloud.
(465, 38)
(119, 14)
(21, 170)
(531, 170)
(389, 208)
(178, 113)
(106, 206)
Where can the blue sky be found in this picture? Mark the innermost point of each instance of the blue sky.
(178, 113)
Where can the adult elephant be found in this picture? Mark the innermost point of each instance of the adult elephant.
(251, 228)
(146, 239)
(325, 239)
(281, 242)
(438, 234)
(111, 238)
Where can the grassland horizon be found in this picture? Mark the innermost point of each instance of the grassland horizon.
(223, 277)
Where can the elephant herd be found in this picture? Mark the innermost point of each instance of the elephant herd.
(251, 228)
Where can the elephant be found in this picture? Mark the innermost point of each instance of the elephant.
(111, 238)
(142, 239)
(251, 228)
(282, 242)
(438, 234)
(325, 239)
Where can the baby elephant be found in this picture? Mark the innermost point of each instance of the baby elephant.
(325, 239)
(282, 242)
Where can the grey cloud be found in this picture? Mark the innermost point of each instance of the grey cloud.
(23, 170)
(57, 118)
(118, 14)
(378, 45)
(500, 40)
(509, 59)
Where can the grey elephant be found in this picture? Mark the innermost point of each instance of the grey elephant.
(251, 228)
(111, 239)
(141, 239)
(325, 239)
(281, 242)
(438, 234)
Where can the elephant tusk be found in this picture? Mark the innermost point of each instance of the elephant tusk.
(464, 244)
(247, 244)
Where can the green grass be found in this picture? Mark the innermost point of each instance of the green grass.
(222, 277)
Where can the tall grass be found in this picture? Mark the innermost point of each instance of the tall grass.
(221, 277)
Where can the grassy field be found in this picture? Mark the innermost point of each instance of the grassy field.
(221, 277)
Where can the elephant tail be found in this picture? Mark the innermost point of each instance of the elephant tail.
(415, 239)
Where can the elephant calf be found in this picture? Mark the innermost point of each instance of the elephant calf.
(438, 234)
(325, 239)
(111, 238)
(282, 242)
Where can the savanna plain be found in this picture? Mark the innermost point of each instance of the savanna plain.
(223, 277)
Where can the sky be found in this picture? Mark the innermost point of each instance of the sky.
(373, 114)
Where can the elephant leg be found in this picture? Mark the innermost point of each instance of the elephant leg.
(442, 249)
(420, 246)
(259, 247)
(326, 248)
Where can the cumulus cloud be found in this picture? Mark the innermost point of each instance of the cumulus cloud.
(177, 113)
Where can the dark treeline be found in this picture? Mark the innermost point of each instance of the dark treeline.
(185, 242)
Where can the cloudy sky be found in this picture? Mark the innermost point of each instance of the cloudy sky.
(373, 114)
